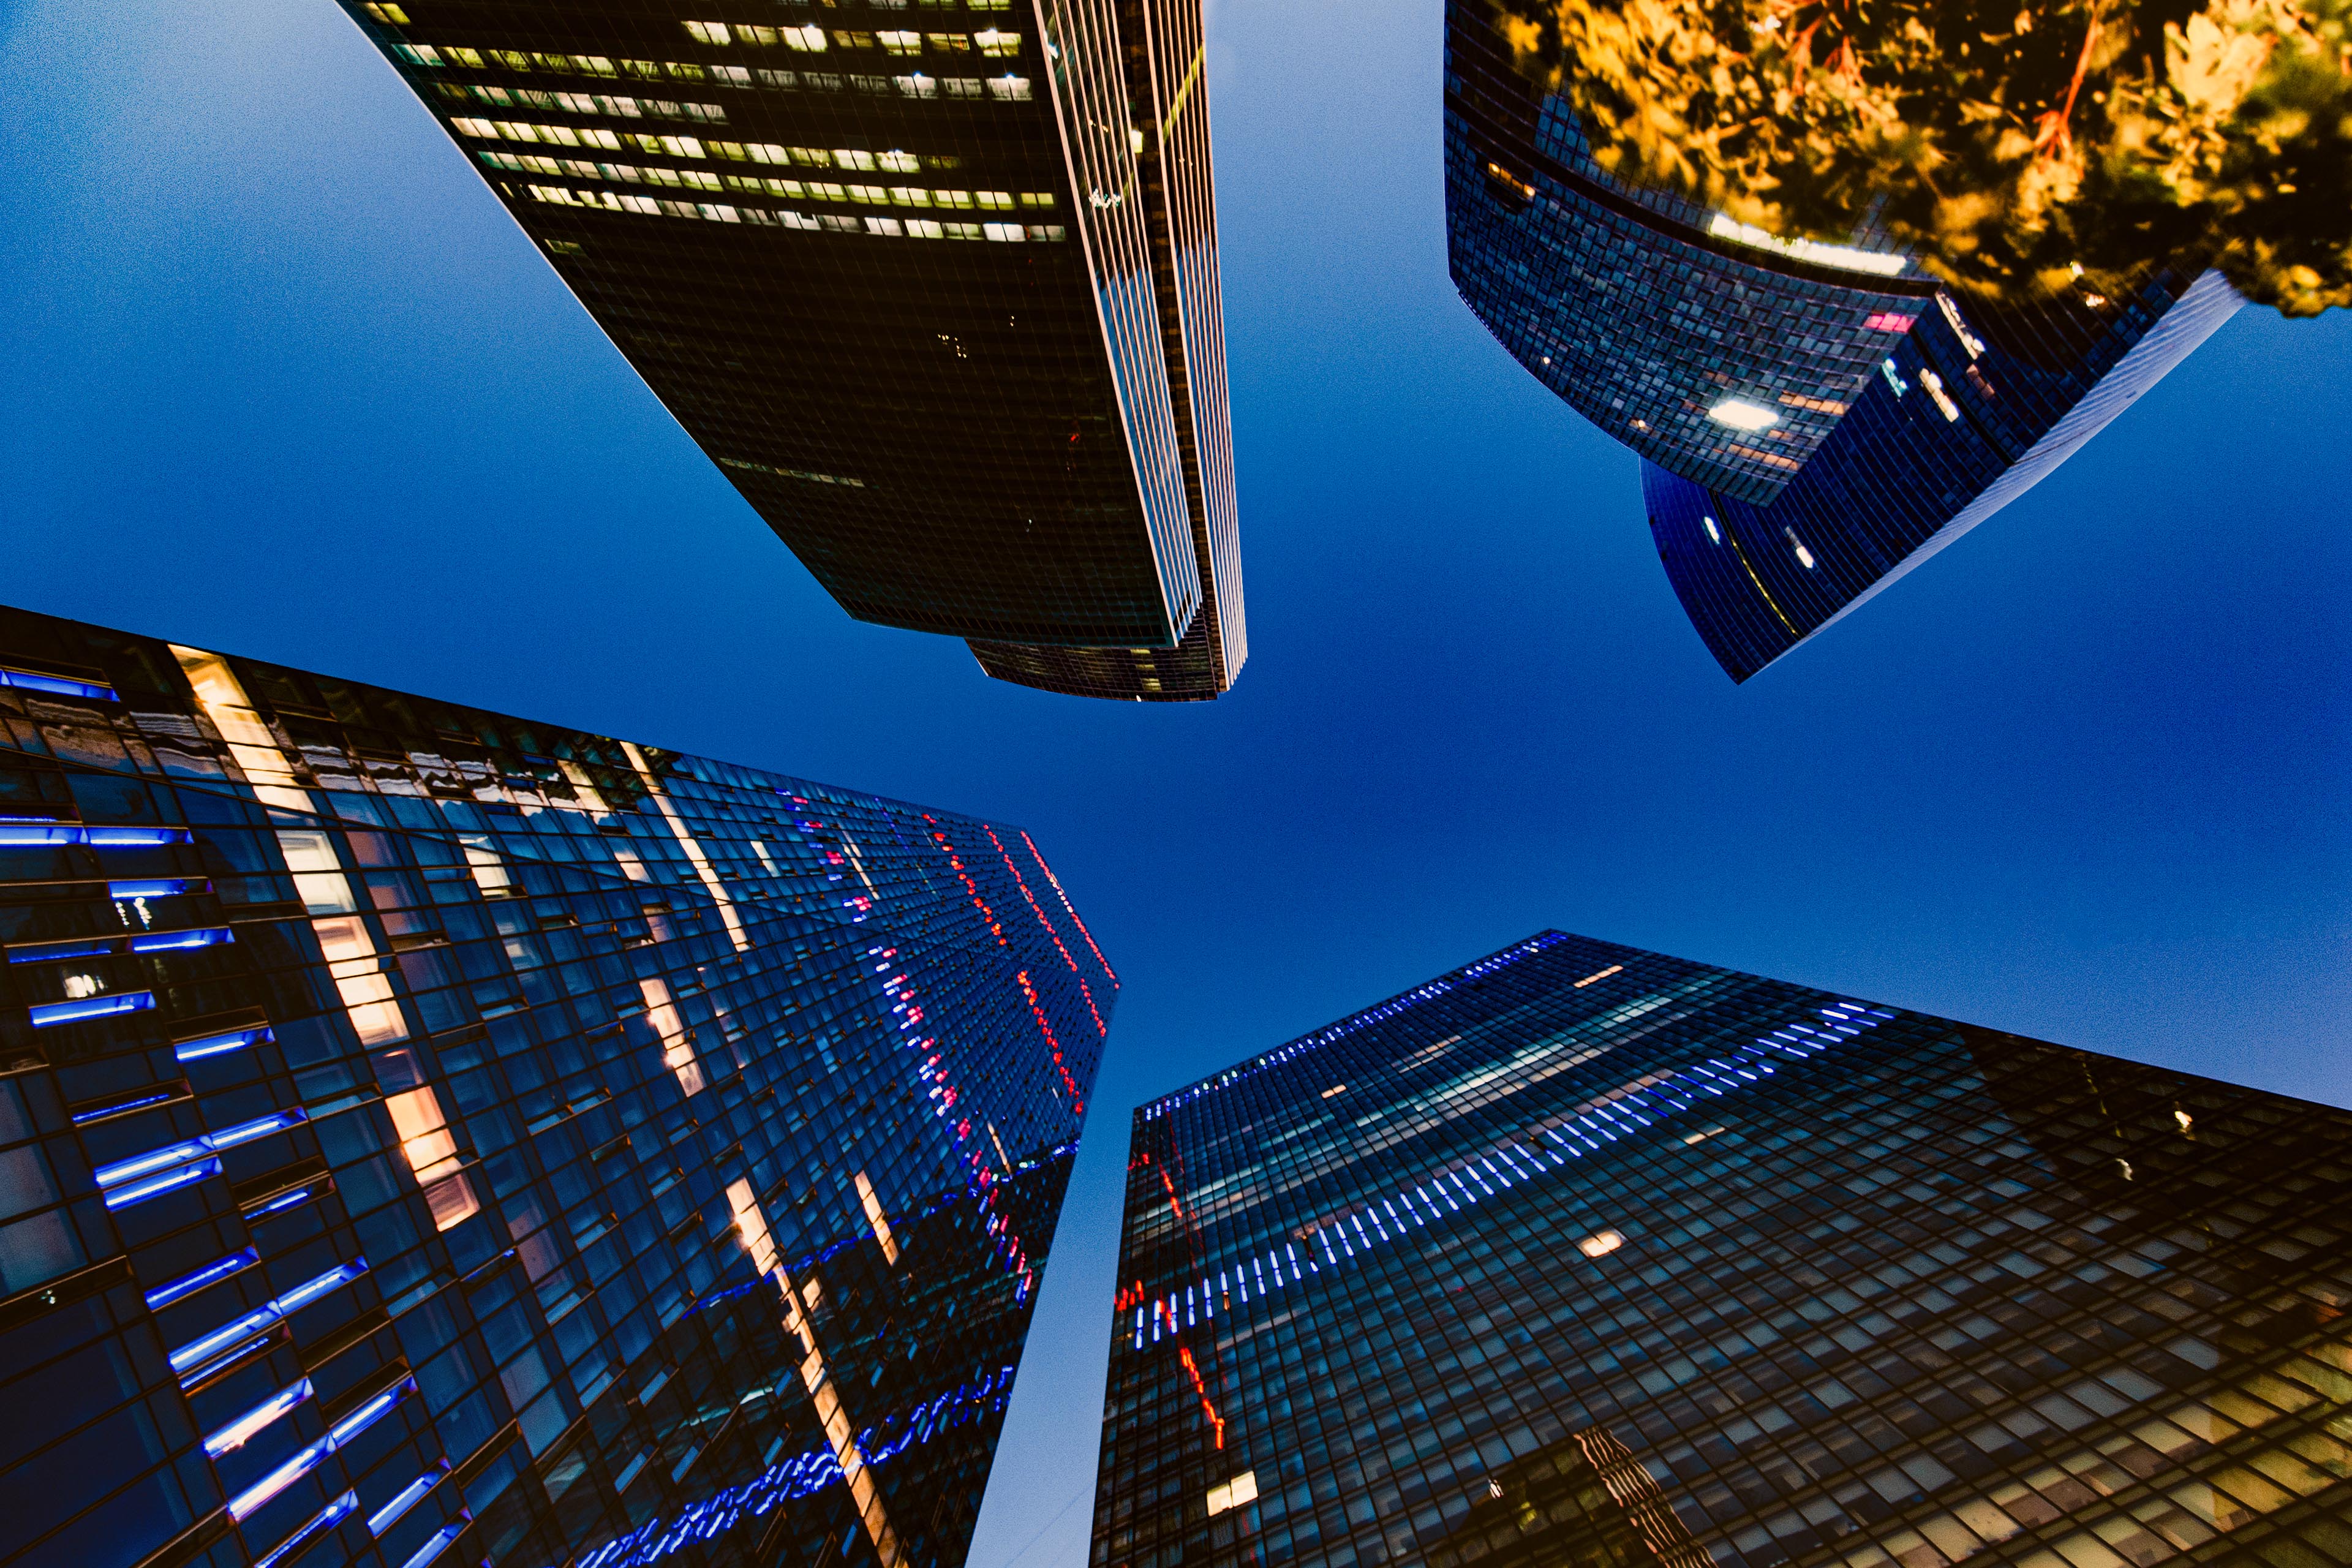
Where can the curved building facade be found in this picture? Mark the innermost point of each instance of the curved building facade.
(434, 1136)
(1813, 420)
(935, 285)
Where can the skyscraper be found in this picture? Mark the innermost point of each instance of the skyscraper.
(478, 1141)
(1584, 1254)
(1813, 420)
(934, 284)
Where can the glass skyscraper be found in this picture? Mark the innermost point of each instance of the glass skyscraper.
(427, 1135)
(933, 282)
(1582, 1255)
(1813, 420)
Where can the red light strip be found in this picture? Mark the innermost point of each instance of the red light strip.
(1058, 893)
(1100, 1027)
(1201, 1389)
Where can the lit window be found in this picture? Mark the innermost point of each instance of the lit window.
(466, 57)
(899, 162)
(1334, 1091)
(677, 1050)
(875, 1217)
(1723, 227)
(809, 39)
(431, 1153)
(994, 201)
(901, 43)
(852, 158)
(1742, 415)
(1804, 556)
(1969, 340)
(992, 42)
(1935, 385)
(1004, 231)
(706, 32)
(1011, 89)
(751, 1226)
(391, 14)
(1600, 1243)
(489, 872)
(1712, 531)
(917, 86)
(319, 879)
(418, 54)
(1893, 377)
(1234, 1493)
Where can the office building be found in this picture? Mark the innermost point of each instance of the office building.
(1813, 420)
(435, 1136)
(945, 310)
(1582, 1254)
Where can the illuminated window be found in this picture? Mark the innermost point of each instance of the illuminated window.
(1011, 89)
(431, 1150)
(489, 872)
(809, 39)
(706, 32)
(678, 1051)
(875, 1217)
(992, 42)
(1742, 415)
(391, 14)
(1600, 1243)
(1233, 1494)
(1334, 1091)
(898, 163)
(360, 980)
(1893, 377)
(1804, 556)
(751, 1226)
(1935, 385)
(853, 158)
(1712, 531)
(901, 43)
(318, 877)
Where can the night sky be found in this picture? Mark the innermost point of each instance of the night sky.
(278, 377)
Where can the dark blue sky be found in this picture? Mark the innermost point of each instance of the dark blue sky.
(278, 377)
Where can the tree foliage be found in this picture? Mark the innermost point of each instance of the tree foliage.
(2068, 144)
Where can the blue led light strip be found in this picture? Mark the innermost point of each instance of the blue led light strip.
(243, 1505)
(20, 835)
(134, 1180)
(803, 1475)
(217, 1045)
(187, 1285)
(48, 1015)
(206, 1348)
(1622, 1112)
(323, 1521)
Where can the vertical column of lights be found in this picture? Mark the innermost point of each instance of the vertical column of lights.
(703, 868)
(344, 942)
(752, 1226)
(1038, 910)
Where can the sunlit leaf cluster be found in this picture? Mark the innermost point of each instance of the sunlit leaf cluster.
(2065, 144)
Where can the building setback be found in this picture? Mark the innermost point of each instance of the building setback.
(1812, 421)
(1584, 1254)
(935, 284)
(477, 1140)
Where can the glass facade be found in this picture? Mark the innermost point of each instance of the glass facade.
(934, 283)
(1584, 1254)
(1813, 420)
(428, 1135)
